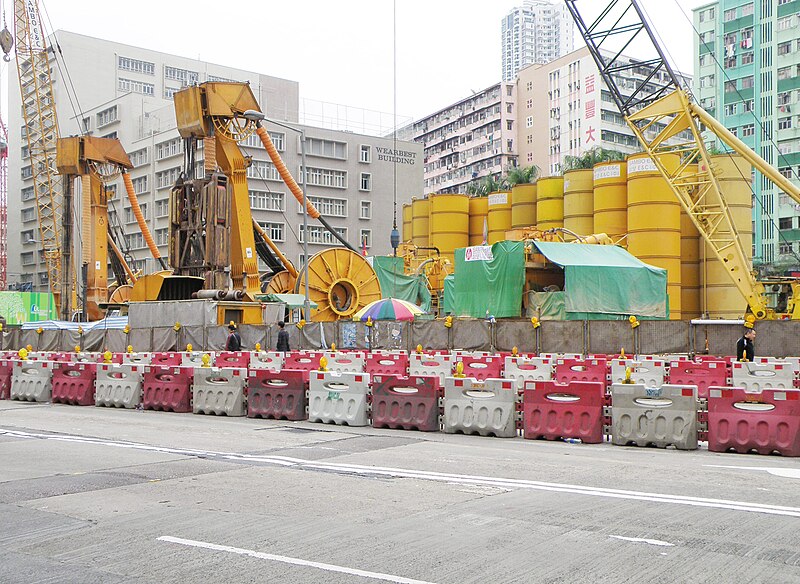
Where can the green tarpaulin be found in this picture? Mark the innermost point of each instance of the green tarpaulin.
(492, 286)
(607, 280)
(395, 284)
(449, 290)
(19, 307)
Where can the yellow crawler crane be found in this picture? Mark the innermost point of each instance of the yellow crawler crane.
(666, 121)
(212, 229)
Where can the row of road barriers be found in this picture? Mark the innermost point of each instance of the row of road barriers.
(643, 401)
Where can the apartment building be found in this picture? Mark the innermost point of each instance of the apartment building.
(467, 140)
(126, 92)
(747, 75)
(539, 31)
(564, 108)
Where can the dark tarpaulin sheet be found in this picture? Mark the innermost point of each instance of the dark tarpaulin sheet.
(490, 286)
(606, 279)
(396, 284)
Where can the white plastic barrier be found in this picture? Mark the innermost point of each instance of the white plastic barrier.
(339, 398)
(665, 357)
(487, 408)
(440, 366)
(195, 358)
(345, 362)
(522, 369)
(118, 385)
(477, 354)
(654, 416)
(266, 360)
(32, 381)
(648, 372)
(219, 391)
(87, 357)
(137, 358)
(754, 377)
(794, 361)
(553, 356)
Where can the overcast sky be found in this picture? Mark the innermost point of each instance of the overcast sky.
(339, 52)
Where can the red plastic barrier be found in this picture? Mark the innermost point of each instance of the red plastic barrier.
(73, 383)
(303, 360)
(704, 375)
(278, 395)
(766, 422)
(481, 368)
(47, 356)
(167, 388)
(408, 403)
(240, 359)
(567, 370)
(169, 358)
(704, 358)
(570, 410)
(383, 364)
(6, 371)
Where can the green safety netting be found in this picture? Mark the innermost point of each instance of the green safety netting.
(395, 284)
(490, 286)
(607, 280)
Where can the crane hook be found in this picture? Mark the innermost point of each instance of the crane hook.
(6, 42)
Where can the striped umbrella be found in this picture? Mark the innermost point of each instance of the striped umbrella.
(388, 309)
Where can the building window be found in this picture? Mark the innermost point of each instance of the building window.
(162, 236)
(107, 116)
(326, 148)
(748, 130)
(747, 9)
(135, 240)
(785, 48)
(169, 148)
(729, 15)
(162, 207)
(140, 185)
(366, 210)
(730, 86)
(27, 193)
(327, 206)
(731, 108)
(264, 170)
(273, 230)
(784, 73)
(26, 236)
(784, 23)
(278, 140)
(786, 171)
(784, 123)
(510, 124)
(785, 223)
(169, 92)
(130, 217)
(27, 258)
(324, 177)
(366, 182)
(747, 58)
(785, 248)
(266, 201)
(135, 65)
(131, 86)
(185, 76)
(138, 158)
(747, 82)
(167, 178)
(319, 235)
(365, 153)
(365, 238)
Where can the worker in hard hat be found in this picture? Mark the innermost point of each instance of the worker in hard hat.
(234, 341)
(745, 349)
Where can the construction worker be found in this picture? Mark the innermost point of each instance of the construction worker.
(234, 341)
(745, 350)
(283, 338)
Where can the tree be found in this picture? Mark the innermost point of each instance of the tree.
(518, 175)
(591, 157)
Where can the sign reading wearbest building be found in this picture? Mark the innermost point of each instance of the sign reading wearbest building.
(399, 156)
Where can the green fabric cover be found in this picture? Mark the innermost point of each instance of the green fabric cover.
(19, 307)
(493, 287)
(396, 284)
(449, 290)
(607, 280)
(291, 301)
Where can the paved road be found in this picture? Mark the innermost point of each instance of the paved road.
(100, 495)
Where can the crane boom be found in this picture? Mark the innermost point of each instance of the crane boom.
(665, 120)
(41, 131)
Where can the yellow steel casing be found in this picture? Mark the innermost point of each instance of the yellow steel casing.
(691, 306)
(68, 156)
(498, 218)
(240, 313)
(721, 298)
(161, 285)
(189, 113)
(407, 231)
(579, 201)
(420, 222)
(550, 202)
(196, 105)
(340, 281)
(478, 211)
(449, 223)
(523, 205)
(610, 201)
(654, 221)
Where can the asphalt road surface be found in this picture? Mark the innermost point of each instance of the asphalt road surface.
(91, 495)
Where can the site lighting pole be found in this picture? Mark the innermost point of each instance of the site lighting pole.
(259, 117)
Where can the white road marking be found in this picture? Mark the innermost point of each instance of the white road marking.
(644, 540)
(457, 479)
(789, 473)
(294, 561)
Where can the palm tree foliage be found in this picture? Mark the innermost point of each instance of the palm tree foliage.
(591, 157)
(518, 175)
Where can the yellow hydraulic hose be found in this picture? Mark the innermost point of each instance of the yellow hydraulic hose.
(137, 211)
(284, 172)
(286, 263)
(118, 253)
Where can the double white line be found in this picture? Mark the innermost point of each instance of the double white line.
(447, 478)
